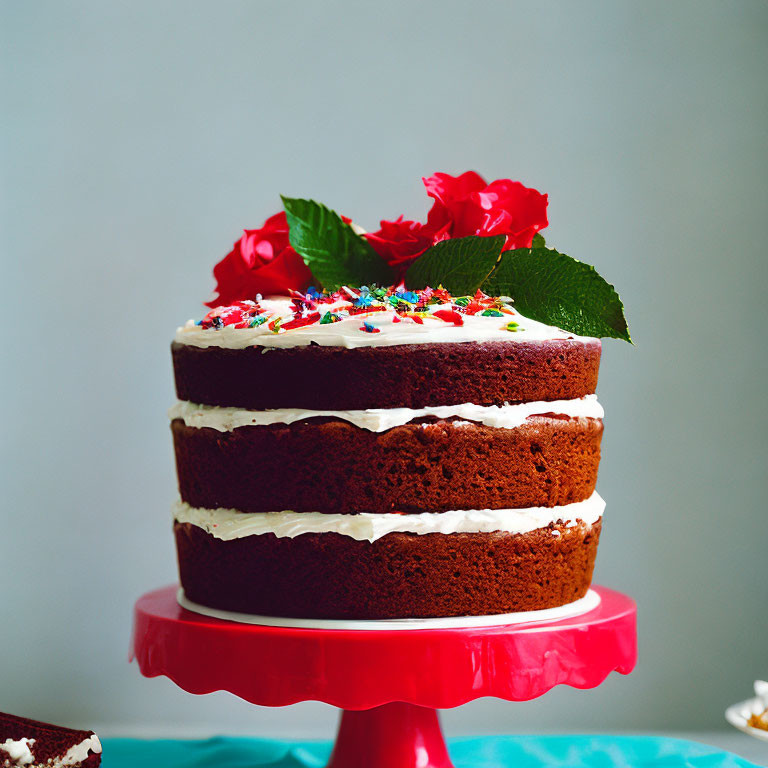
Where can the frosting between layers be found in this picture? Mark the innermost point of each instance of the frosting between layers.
(391, 330)
(381, 419)
(229, 524)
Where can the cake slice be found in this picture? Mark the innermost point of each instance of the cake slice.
(29, 743)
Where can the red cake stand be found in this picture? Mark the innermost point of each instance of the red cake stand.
(389, 683)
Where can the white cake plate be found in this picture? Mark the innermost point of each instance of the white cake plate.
(587, 603)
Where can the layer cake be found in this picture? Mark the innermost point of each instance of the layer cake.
(383, 453)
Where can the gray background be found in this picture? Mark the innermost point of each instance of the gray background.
(139, 138)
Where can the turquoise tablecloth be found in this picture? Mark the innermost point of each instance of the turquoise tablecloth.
(484, 752)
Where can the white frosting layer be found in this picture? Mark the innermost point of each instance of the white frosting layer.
(229, 524)
(382, 419)
(76, 754)
(18, 751)
(347, 332)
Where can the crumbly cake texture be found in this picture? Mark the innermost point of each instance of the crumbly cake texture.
(398, 576)
(30, 743)
(328, 465)
(385, 349)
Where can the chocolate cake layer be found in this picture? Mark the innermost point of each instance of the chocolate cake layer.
(397, 576)
(409, 375)
(325, 465)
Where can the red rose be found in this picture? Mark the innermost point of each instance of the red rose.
(400, 240)
(261, 261)
(464, 205)
(469, 206)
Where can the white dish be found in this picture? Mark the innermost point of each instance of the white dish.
(587, 603)
(738, 714)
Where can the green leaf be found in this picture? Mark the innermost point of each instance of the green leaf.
(332, 250)
(460, 265)
(555, 289)
(539, 241)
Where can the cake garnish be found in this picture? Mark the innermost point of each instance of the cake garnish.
(479, 240)
(363, 304)
(261, 261)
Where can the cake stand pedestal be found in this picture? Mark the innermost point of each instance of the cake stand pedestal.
(388, 682)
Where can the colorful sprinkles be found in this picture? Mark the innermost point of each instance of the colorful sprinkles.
(322, 308)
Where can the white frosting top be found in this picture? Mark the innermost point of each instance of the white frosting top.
(392, 330)
(229, 524)
(382, 419)
(18, 751)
